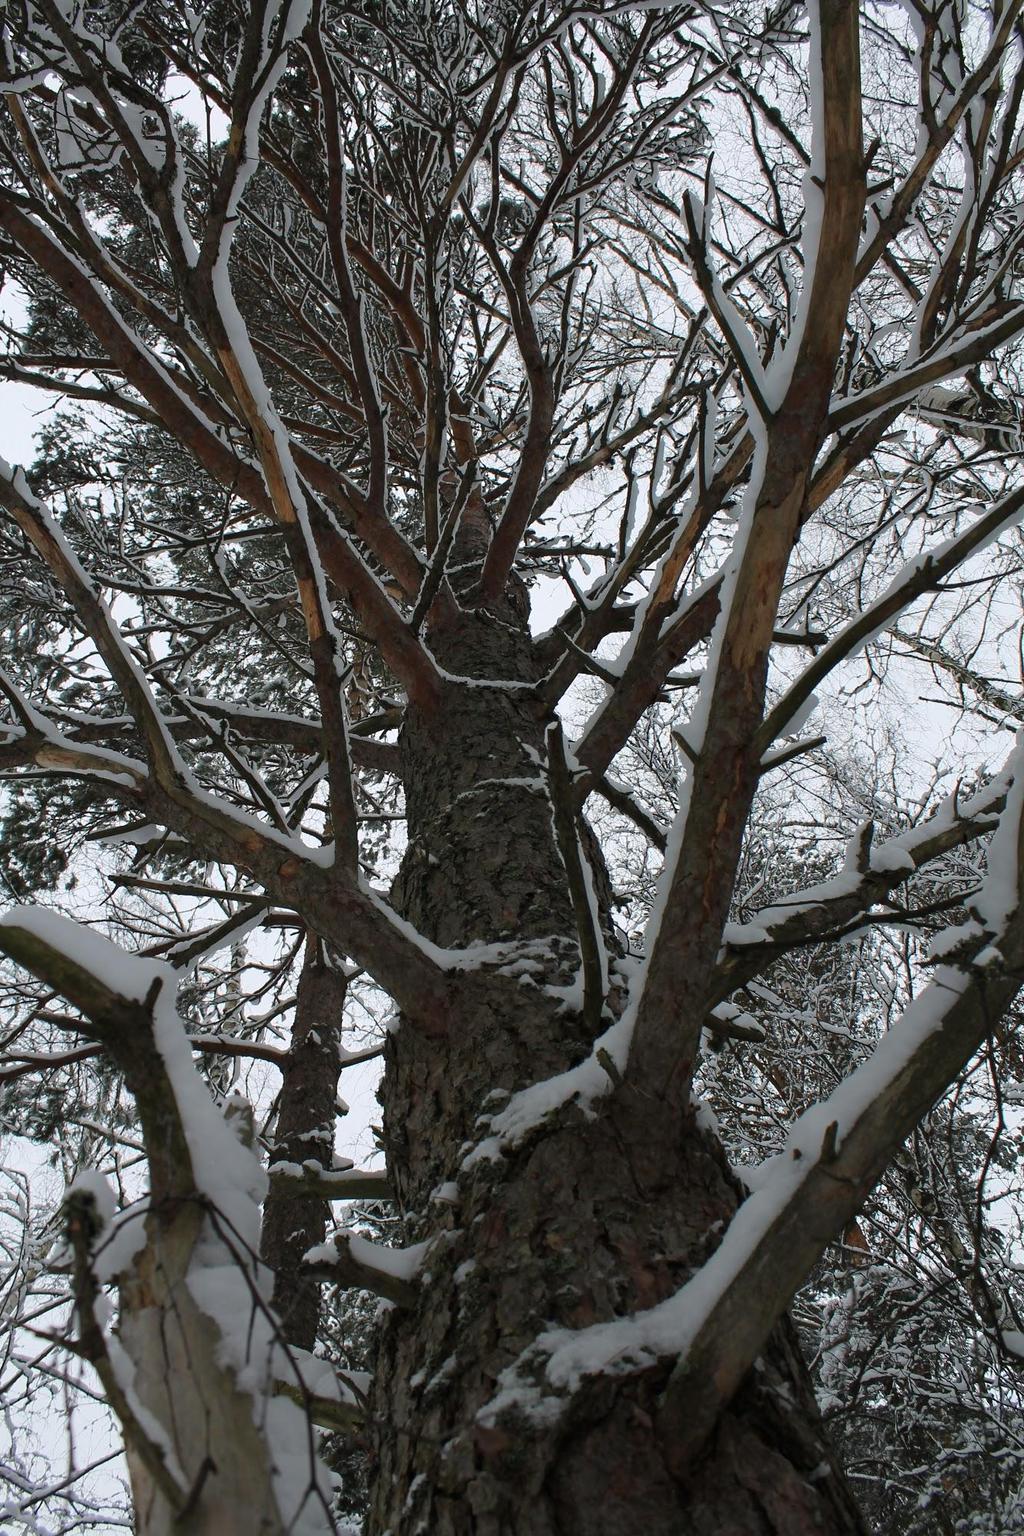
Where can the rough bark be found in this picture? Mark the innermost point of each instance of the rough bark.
(294, 1223)
(588, 1218)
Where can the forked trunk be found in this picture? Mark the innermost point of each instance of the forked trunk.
(586, 1219)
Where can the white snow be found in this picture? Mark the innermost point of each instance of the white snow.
(124, 1372)
(890, 858)
(399, 1263)
(121, 1243)
(530, 1106)
(130, 976)
(1013, 1340)
(225, 1277)
(999, 894)
(89, 1181)
(669, 1329)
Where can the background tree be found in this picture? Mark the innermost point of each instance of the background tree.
(447, 303)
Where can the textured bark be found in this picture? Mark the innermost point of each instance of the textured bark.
(293, 1223)
(588, 1218)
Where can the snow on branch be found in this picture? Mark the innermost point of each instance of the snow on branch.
(191, 1290)
(717, 1324)
(924, 573)
(309, 1178)
(350, 1259)
(869, 874)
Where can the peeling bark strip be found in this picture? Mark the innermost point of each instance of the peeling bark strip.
(197, 1452)
(447, 266)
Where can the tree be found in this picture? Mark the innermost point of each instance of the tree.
(444, 304)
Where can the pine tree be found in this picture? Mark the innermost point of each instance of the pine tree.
(379, 323)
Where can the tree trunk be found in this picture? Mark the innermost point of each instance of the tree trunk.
(587, 1219)
(294, 1223)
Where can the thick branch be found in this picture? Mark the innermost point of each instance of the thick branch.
(726, 769)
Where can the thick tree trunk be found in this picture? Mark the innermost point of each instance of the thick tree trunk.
(586, 1220)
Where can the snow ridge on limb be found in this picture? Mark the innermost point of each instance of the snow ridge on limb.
(350, 1259)
(308, 1178)
(38, 740)
(716, 1325)
(350, 916)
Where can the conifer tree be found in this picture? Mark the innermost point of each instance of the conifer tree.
(376, 325)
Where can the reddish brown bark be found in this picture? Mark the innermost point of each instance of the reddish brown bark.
(304, 1132)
